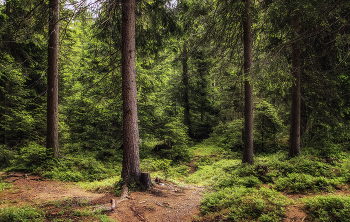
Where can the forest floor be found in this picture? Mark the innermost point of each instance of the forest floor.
(66, 201)
(166, 201)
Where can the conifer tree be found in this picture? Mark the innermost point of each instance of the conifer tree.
(131, 161)
(52, 79)
(248, 151)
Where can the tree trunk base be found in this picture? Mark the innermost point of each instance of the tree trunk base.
(145, 180)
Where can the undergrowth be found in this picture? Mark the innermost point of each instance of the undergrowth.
(239, 192)
(246, 203)
(4, 185)
(26, 213)
(328, 208)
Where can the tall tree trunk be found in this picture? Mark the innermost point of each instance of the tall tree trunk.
(6, 90)
(131, 161)
(294, 140)
(52, 80)
(248, 150)
(187, 120)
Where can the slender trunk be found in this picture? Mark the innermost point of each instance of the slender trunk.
(294, 140)
(131, 162)
(6, 91)
(5, 111)
(52, 80)
(187, 120)
(248, 152)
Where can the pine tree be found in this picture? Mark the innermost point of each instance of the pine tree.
(248, 151)
(131, 162)
(294, 143)
(52, 80)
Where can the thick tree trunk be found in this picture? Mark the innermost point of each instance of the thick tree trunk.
(52, 80)
(131, 163)
(248, 152)
(187, 120)
(294, 140)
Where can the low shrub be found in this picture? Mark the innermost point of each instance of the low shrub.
(29, 158)
(246, 204)
(209, 174)
(296, 183)
(20, 214)
(4, 185)
(176, 153)
(76, 169)
(328, 208)
(6, 156)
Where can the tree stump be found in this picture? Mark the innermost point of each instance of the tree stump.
(145, 179)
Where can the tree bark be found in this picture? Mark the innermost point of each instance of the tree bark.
(248, 150)
(52, 80)
(6, 89)
(131, 163)
(187, 120)
(146, 180)
(294, 140)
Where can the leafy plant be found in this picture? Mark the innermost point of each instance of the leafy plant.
(296, 183)
(6, 156)
(246, 204)
(4, 185)
(20, 214)
(76, 169)
(328, 208)
(30, 157)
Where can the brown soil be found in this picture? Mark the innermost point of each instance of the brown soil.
(164, 202)
(296, 212)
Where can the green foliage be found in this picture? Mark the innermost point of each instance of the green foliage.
(30, 157)
(6, 156)
(176, 153)
(246, 204)
(176, 132)
(328, 208)
(299, 183)
(207, 175)
(105, 184)
(4, 185)
(163, 164)
(81, 168)
(164, 168)
(268, 128)
(228, 135)
(12, 214)
(324, 148)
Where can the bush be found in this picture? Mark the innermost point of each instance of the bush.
(296, 183)
(328, 208)
(176, 153)
(30, 157)
(4, 185)
(246, 204)
(76, 169)
(210, 174)
(6, 156)
(228, 135)
(20, 214)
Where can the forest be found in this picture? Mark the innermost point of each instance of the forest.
(238, 108)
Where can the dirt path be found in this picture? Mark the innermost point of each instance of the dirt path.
(164, 202)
